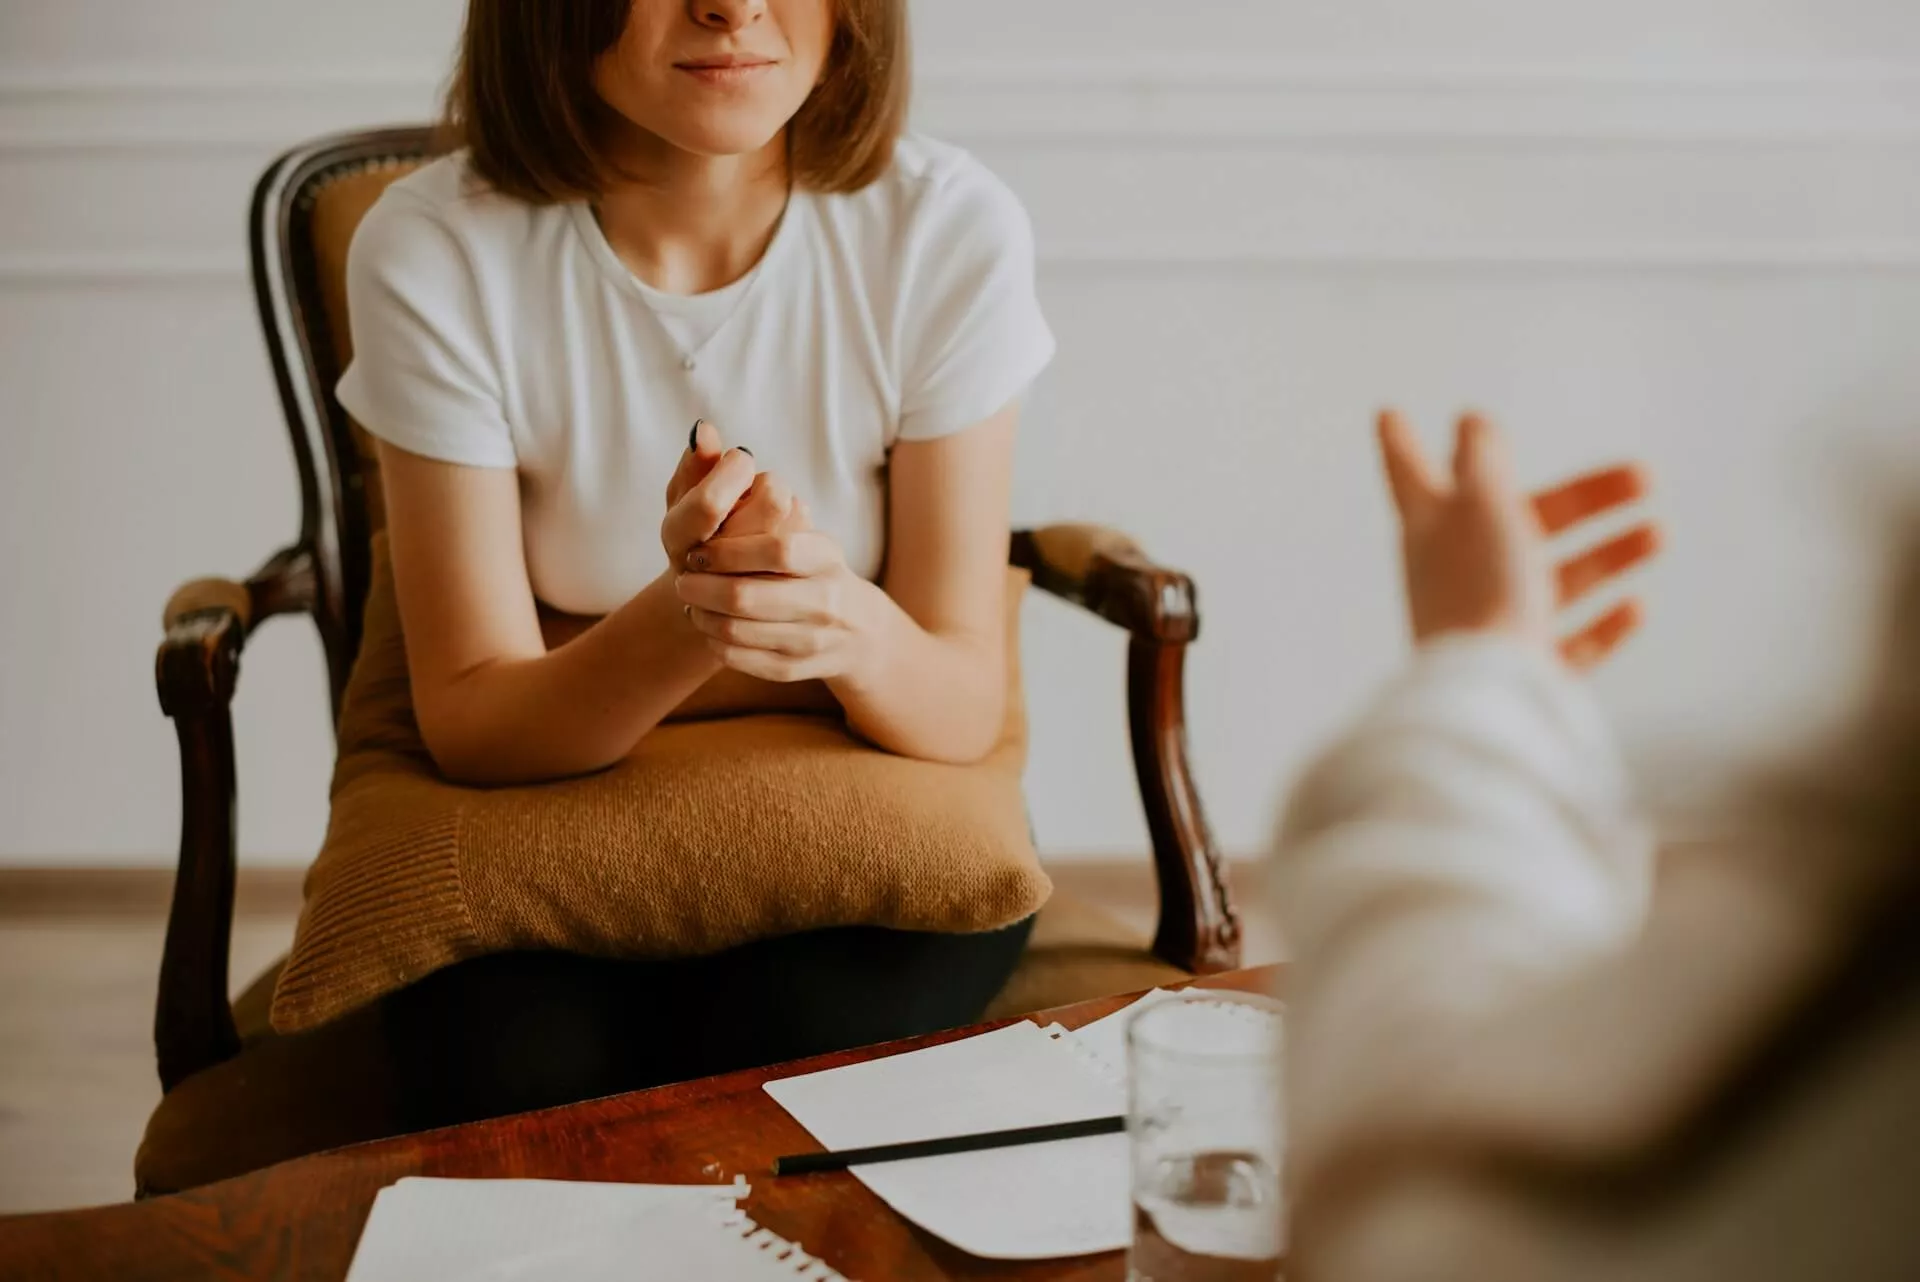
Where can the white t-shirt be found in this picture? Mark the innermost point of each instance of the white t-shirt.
(494, 333)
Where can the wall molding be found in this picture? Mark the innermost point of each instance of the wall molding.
(65, 137)
(115, 269)
(222, 270)
(120, 891)
(1067, 103)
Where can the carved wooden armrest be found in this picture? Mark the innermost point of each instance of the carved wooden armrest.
(1104, 571)
(207, 623)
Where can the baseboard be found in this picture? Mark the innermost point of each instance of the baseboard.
(49, 892)
(1124, 877)
(27, 893)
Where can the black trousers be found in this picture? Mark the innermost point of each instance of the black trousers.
(514, 1031)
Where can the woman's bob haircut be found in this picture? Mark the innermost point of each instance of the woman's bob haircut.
(522, 99)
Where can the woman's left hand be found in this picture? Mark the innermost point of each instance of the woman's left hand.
(780, 606)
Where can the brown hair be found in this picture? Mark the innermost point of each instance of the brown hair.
(522, 99)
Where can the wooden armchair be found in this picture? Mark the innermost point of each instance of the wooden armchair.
(237, 1095)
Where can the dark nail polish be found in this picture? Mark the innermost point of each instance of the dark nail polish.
(693, 437)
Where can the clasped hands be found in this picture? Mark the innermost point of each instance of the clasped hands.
(772, 596)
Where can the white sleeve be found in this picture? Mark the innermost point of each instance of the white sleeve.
(974, 339)
(423, 375)
(1470, 842)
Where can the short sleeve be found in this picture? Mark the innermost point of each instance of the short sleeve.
(423, 376)
(974, 339)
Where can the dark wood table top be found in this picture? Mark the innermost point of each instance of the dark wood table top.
(302, 1219)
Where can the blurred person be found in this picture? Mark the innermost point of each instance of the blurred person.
(1517, 1048)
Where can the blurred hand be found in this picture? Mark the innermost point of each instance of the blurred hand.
(1475, 547)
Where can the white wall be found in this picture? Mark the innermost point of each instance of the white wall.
(1683, 229)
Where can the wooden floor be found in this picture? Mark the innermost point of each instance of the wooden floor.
(76, 1013)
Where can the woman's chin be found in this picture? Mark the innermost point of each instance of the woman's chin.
(716, 138)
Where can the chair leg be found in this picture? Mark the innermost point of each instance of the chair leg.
(193, 1021)
(1199, 930)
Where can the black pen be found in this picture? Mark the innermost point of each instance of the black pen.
(802, 1163)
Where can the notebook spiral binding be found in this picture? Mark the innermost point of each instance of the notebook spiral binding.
(779, 1250)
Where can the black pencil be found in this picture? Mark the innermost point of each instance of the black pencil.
(802, 1163)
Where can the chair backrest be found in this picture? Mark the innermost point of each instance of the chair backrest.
(306, 208)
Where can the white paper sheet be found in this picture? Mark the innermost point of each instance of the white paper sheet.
(1107, 1037)
(672, 1242)
(435, 1230)
(1034, 1201)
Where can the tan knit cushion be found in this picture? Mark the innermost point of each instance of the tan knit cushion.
(711, 834)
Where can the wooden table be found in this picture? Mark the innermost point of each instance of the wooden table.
(302, 1219)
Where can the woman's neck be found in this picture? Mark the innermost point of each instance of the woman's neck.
(689, 224)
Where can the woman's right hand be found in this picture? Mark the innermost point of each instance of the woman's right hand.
(765, 506)
(1475, 546)
(704, 491)
(770, 507)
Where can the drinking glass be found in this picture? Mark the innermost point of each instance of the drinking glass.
(1204, 1129)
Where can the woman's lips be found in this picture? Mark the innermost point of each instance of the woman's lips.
(724, 74)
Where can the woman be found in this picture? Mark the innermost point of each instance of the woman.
(1510, 1056)
(694, 383)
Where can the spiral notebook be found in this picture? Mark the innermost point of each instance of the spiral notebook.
(436, 1230)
